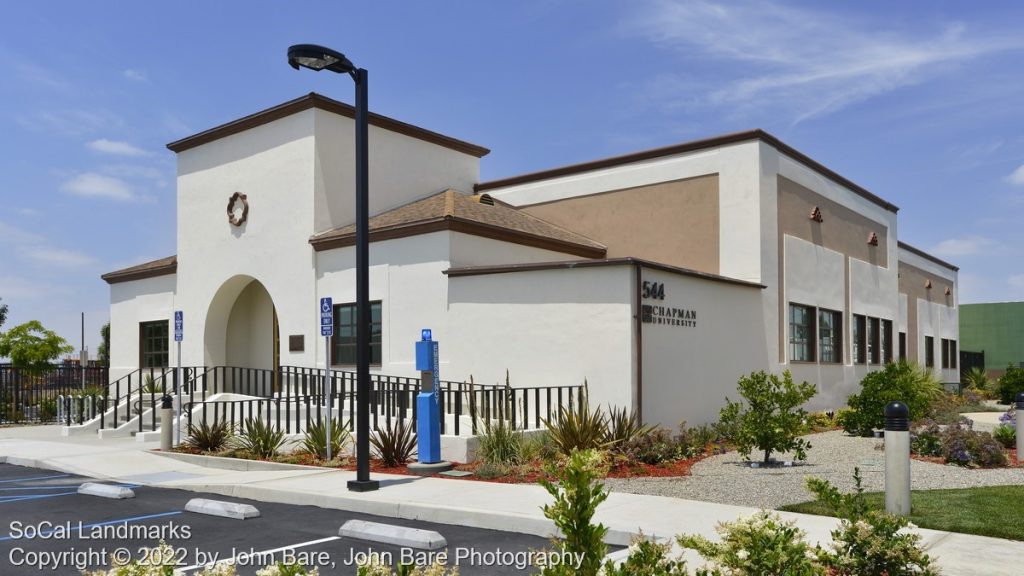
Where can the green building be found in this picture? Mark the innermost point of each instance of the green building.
(997, 328)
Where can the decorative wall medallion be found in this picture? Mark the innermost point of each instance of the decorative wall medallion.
(948, 291)
(816, 215)
(928, 284)
(234, 217)
(873, 239)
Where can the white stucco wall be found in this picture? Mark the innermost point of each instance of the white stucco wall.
(468, 250)
(548, 328)
(273, 165)
(134, 302)
(689, 370)
(402, 169)
(935, 319)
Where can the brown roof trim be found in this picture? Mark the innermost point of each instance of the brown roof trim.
(456, 224)
(314, 100)
(926, 256)
(161, 267)
(507, 268)
(725, 139)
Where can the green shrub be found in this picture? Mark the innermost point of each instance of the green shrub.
(314, 440)
(578, 428)
(757, 545)
(538, 446)
(1006, 435)
(868, 542)
(577, 496)
(958, 444)
(1010, 383)
(260, 438)
(207, 437)
(490, 471)
(647, 558)
(897, 381)
(976, 379)
(926, 440)
(394, 445)
(771, 418)
(48, 409)
(501, 443)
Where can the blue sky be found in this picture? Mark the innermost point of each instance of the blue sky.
(919, 102)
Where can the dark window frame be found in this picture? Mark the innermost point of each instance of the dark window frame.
(929, 351)
(836, 329)
(343, 353)
(860, 342)
(953, 355)
(945, 354)
(903, 346)
(886, 341)
(808, 343)
(874, 334)
(150, 342)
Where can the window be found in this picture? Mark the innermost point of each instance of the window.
(860, 339)
(903, 345)
(873, 341)
(830, 336)
(929, 351)
(952, 354)
(344, 341)
(945, 354)
(801, 333)
(887, 341)
(153, 344)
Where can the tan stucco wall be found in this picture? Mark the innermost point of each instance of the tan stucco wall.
(674, 223)
(912, 283)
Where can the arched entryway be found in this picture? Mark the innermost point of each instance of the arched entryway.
(241, 328)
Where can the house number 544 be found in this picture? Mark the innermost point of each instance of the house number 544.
(654, 290)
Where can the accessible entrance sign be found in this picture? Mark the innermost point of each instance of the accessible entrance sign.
(326, 317)
(179, 325)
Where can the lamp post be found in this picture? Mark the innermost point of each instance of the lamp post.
(319, 58)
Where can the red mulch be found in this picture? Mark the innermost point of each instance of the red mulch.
(526, 474)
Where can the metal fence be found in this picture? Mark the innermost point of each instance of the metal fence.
(31, 396)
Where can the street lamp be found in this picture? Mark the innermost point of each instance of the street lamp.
(319, 58)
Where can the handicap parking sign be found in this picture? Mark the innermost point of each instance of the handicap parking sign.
(179, 325)
(326, 317)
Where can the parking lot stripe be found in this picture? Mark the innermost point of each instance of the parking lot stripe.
(234, 559)
(35, 478)
(44, 487)
(107, 523)
(9, 499)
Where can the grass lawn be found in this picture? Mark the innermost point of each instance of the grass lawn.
(996, 511)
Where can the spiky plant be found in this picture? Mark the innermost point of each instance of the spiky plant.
(394, 444)
(315, 440)
(578, 428)
(207, 437)
(260, 438)
(623, 427)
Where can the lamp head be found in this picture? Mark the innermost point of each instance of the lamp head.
(318, 58)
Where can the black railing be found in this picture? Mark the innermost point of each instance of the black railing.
(32, 396)
(299, 400)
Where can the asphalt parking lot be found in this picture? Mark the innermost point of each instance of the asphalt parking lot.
(47, 527)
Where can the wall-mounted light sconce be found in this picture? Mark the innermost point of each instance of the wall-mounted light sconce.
(816, 215)
(872, 239)
(928, 284)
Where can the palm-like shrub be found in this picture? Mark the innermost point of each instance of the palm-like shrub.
(395, 444)
(622, 427)
(976, 379)
(260, 438)
(207, 437)
(315, 439)
(578, 428)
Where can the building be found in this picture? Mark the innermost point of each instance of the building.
(997, 329)
(657, 277)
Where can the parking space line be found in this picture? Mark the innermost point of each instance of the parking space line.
(44, 487)
(235, 559)
(9, 499)
(106, 523)
(35, 478)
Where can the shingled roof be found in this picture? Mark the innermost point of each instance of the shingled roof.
(168, 265)
(478, 215)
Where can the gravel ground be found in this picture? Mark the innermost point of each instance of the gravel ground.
(833, 456)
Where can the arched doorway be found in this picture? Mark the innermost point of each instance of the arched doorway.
(242, 332)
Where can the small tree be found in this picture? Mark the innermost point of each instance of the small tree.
(103, 350)
(903, 381)
(577, 496)
(32, 346)
(772, 417)
(3, 313)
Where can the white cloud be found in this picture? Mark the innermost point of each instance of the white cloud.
(966, 246)
(116, 147)
(137, 75)
(10, 234)
(69, 122)
(56, 256)
(806, 62)
(1017, 176)
(93, 185)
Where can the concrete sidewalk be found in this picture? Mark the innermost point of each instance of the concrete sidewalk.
(511, 507)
